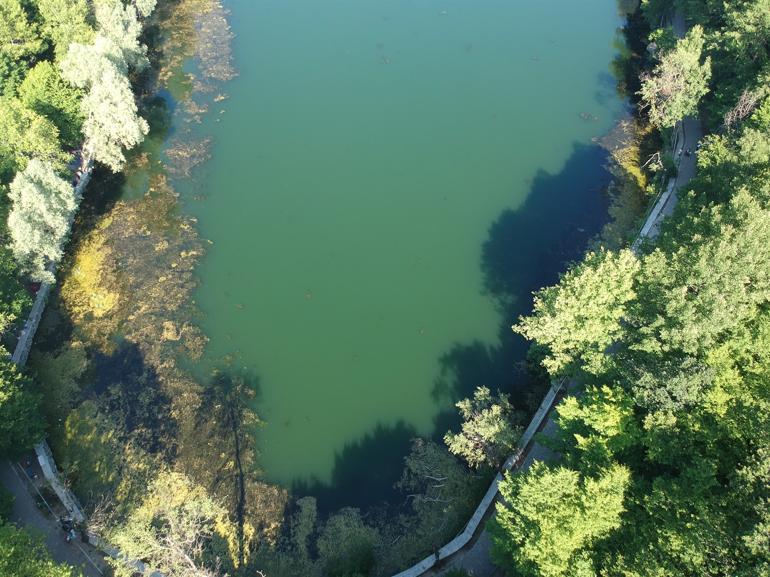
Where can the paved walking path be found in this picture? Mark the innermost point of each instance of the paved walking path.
(45, 523)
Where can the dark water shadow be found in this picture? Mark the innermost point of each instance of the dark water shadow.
(134, 394)
(364, 471)
(631, 52)
(159, 110)
(526, 249)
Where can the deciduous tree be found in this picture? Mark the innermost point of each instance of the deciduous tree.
(21, 424)
(25, 134)
(346, 545)
(596, 426)
(488, 433)
(678, 82)
(14, 296)
(120, 23)
(64, 22)
(22, 555)
(178, 529)
(20, 43)
(112, 123)
(145, 7)
(551, 516)
(46, 93)
(440, 489)
(579, 319)
(43, 205)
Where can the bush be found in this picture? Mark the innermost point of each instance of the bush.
(6, 504)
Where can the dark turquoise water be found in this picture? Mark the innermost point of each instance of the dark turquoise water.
(389, 181)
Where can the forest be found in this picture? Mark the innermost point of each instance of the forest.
(664, 438)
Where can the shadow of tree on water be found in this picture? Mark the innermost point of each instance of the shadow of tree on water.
(133, 394)
(526, 249)
(364, 471)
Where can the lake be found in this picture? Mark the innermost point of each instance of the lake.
(388, 182)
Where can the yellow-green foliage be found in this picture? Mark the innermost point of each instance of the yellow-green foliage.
(177, 528)
(550, 514)
(91, 459)
(88, 292)
(56, 376)
(627, 156)
(97, 460)
(579, 319)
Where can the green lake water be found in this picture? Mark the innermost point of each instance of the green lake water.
(389, 181)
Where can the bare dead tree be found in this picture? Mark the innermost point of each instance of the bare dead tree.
(102, 517)
(743, 108)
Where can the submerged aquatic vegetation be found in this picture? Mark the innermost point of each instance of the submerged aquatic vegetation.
(120, 331)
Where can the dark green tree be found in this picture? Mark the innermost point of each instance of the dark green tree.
(20, 44)
(46, 93)
(21, 424)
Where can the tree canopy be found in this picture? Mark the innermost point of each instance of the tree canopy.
(26, 135)
(22, 555)
(64, 22)
(43, 206)
(676, 85)
(488, 433)
(178, 529)
(578, 320)
(20, 44)
(551, 515)
(111, 123)
(21, 424)
(44, 92)
(671, 347)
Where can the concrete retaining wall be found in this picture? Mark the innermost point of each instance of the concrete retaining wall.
(474, 523)
(51, 474)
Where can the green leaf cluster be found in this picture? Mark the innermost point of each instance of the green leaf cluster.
(21, 423)
(488, 433)
(675, 86)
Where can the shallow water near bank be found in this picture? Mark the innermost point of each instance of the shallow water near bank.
(388, 182)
